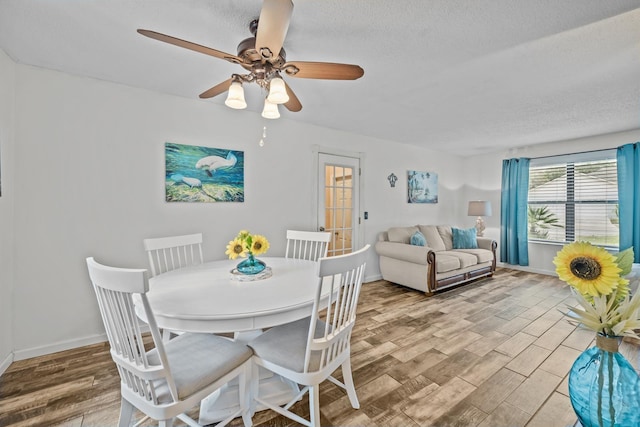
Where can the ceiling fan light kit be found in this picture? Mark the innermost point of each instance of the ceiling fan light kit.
(270, 110)
(264, 59)
(277, 91)
(235, 98)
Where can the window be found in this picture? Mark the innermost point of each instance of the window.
(574, 198)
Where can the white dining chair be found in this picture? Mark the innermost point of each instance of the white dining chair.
(169, 253)
(308, 351)
(309, 245)
(175, 376)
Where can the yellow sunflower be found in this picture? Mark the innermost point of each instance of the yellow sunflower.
(259, 245)
(590, 269)
(236, 248)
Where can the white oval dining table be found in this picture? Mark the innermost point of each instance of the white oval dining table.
(209, 298)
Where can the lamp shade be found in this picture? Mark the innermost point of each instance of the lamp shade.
(479, 208)
(277, 91)
(235, 99)
(270, 110)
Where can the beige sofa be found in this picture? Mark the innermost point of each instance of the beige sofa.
(436, 266)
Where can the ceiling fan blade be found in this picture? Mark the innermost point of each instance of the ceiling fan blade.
(189, 45)
(323, 70)
(293, 104)
(272, 27)
(217, 89)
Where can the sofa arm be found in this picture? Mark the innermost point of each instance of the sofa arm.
(383, 236)
(403, 251)
(491, 245)
(487, 243)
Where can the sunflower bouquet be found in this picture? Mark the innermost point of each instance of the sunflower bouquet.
(597, 279)
(247, 244)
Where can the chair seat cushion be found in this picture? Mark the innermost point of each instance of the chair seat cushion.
(285, 345)
(197, 360)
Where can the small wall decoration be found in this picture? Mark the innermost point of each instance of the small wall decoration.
(392, 179)
(422, 187)
(203, 174)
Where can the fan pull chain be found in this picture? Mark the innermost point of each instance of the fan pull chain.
(264, 136)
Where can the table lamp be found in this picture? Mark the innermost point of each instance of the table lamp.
(479, 208)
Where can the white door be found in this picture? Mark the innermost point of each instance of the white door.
(338, 201)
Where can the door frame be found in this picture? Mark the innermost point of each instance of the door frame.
(359, 226)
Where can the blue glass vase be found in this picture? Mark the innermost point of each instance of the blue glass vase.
(251, 265)
(603, 386)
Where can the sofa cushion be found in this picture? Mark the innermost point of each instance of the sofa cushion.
(446, 262)
(464, 238)
(445, 234)
(417, 239)
(465, 259)
(434, 241)
(401, 234)
(483, 255)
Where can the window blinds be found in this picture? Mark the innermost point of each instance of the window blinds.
(574, 198)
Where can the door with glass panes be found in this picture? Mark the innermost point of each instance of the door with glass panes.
(338, 207)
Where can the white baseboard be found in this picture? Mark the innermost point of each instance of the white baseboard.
(527, 269)
(372, 278)
(65, 345)
(59, 346)
(6, 363)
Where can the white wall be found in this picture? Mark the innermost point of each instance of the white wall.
(7, 84)
(489, 168)
(89, 173)
(483, 182)
(87, 160)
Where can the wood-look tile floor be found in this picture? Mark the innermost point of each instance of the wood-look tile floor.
(492, 353)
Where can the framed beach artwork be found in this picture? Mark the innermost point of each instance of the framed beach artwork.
(422, 187)
(203, 174)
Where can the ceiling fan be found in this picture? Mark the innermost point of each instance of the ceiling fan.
(265, 60)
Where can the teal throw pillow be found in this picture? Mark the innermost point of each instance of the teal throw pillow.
(464, 238)
(417, 239)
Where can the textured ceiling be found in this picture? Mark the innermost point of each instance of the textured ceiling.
(462, 76)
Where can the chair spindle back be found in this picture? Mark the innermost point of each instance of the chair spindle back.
(343, 274)
(170, 253)
(114, 288)
(309, 245)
